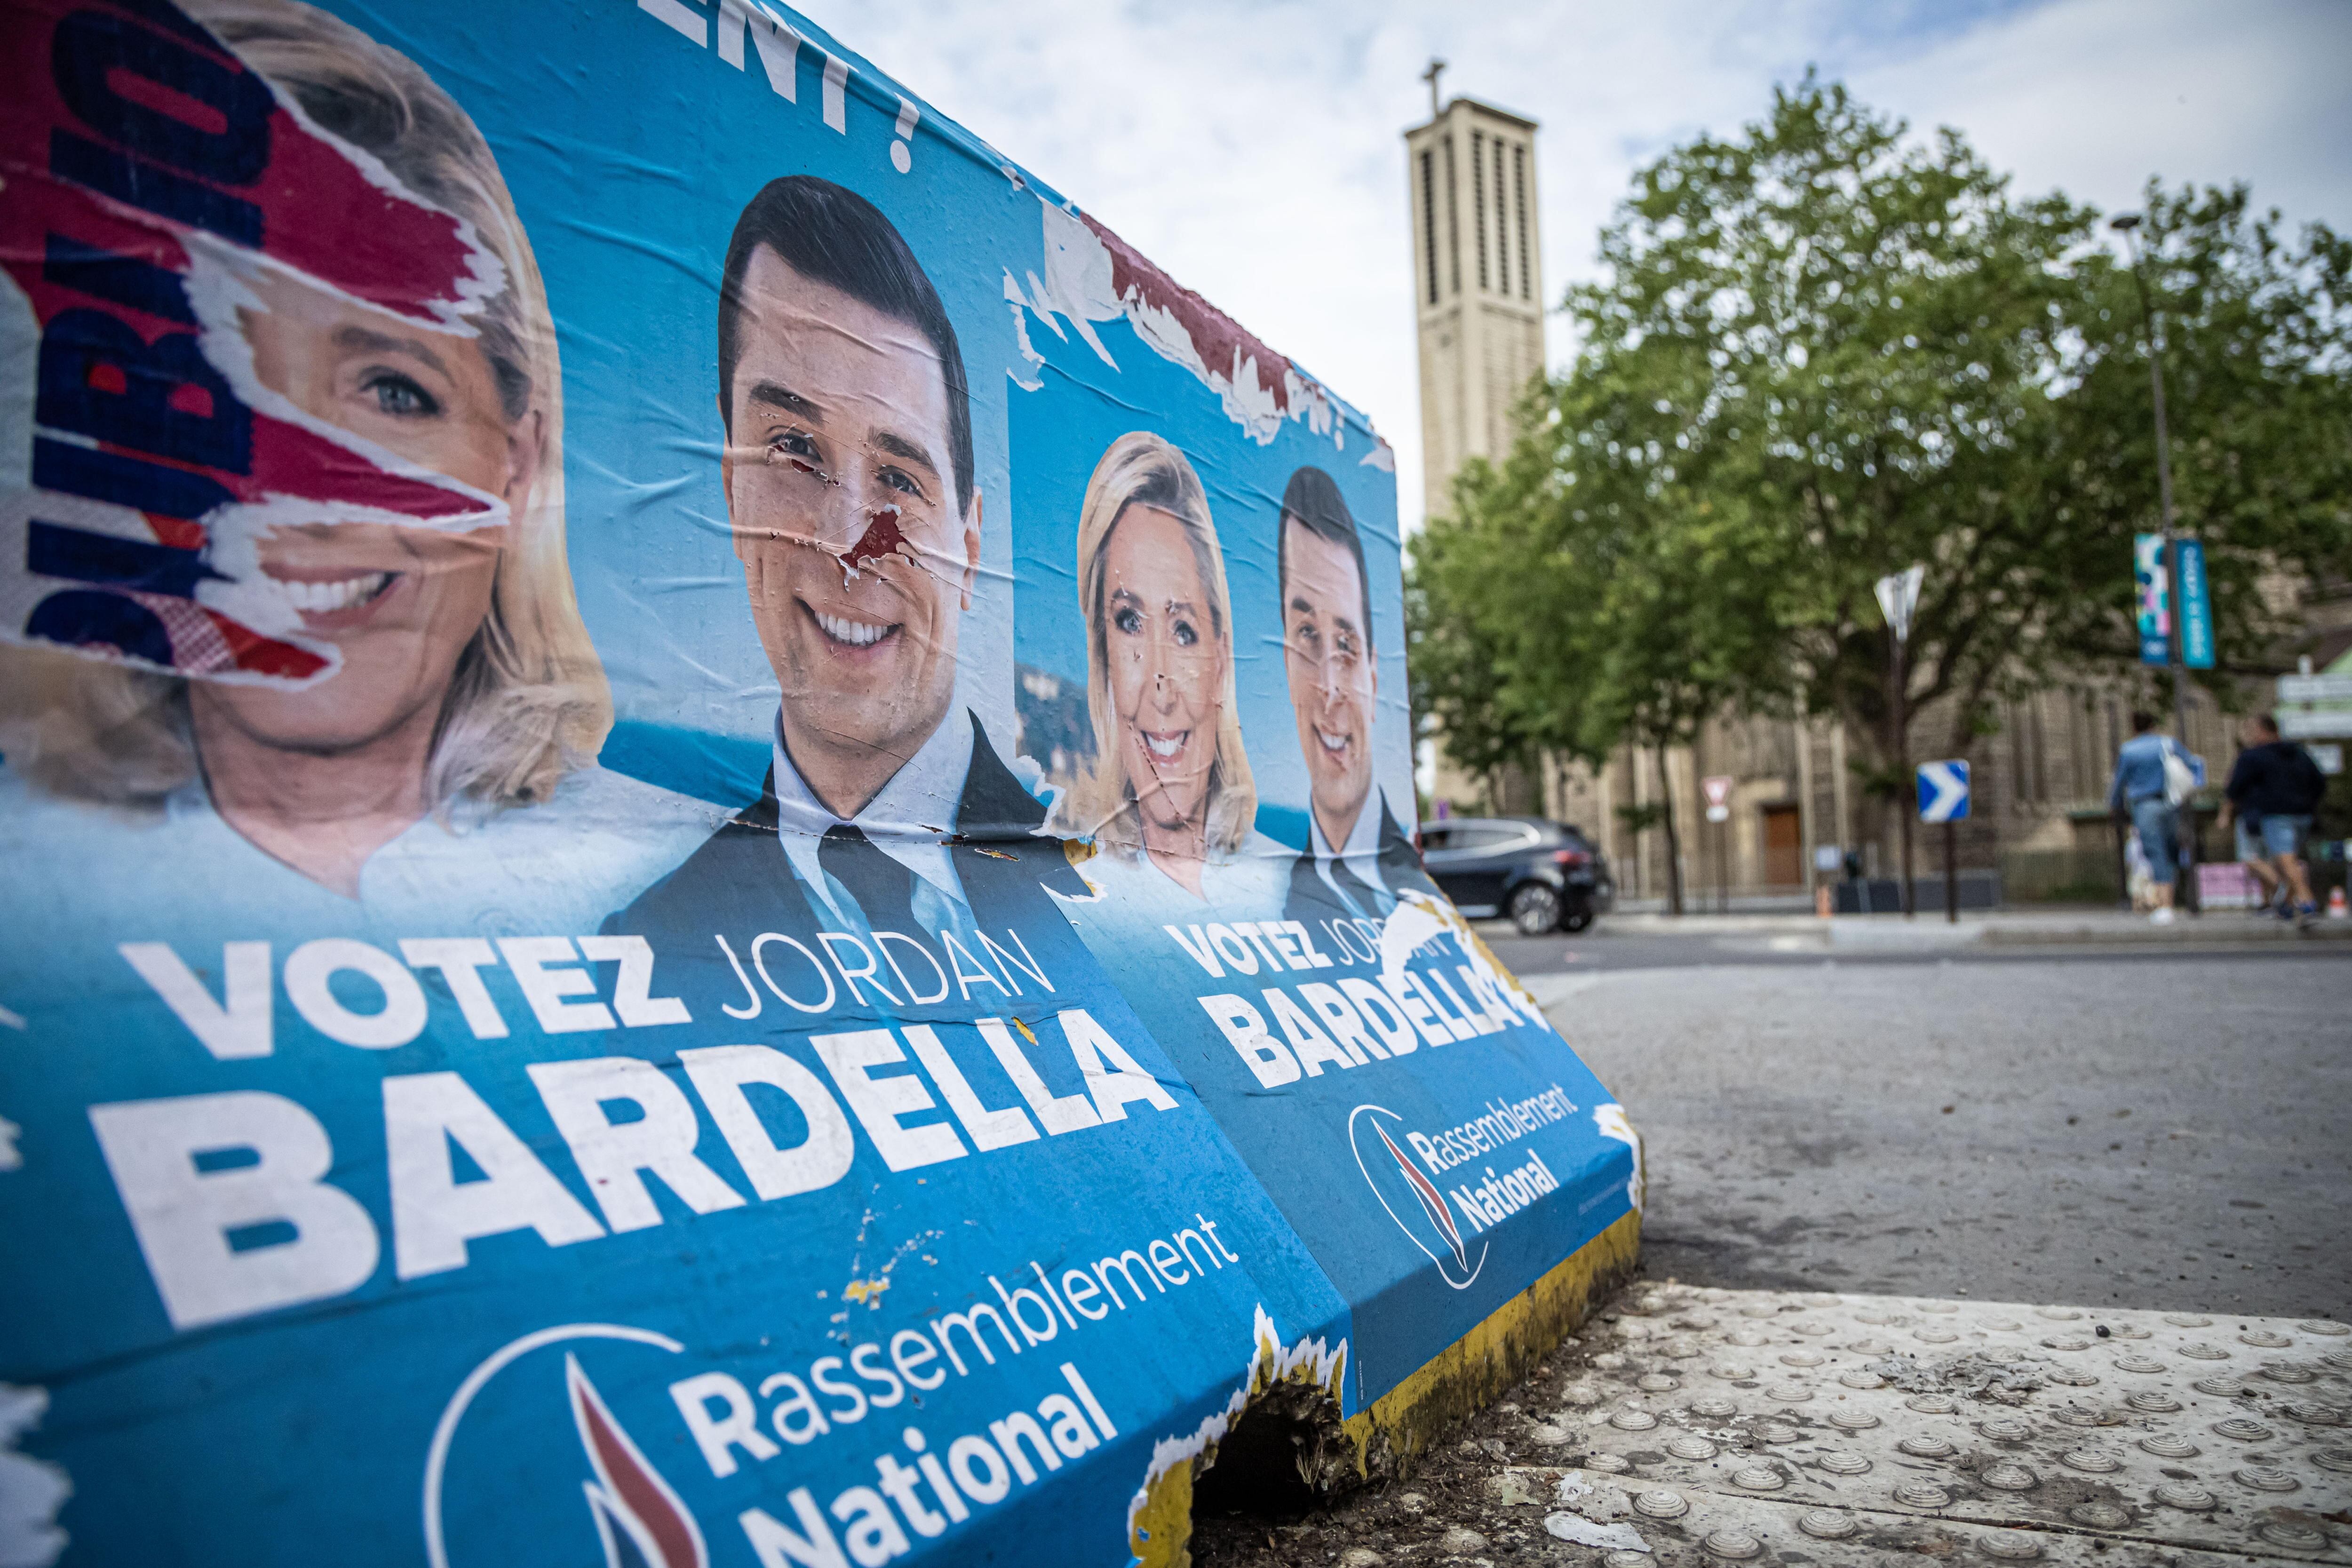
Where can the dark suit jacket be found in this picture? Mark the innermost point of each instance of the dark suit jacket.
(1398, 868)
(740, 885)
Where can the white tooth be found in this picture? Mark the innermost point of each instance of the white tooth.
(858, 634)
(319, 598)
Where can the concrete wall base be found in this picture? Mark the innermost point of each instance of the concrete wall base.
(1390, 1437)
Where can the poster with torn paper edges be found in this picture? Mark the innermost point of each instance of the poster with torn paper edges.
(559, 1005)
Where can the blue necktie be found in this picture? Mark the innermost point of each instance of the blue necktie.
(883, 888)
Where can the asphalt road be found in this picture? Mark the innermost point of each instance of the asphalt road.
(2166, 1131)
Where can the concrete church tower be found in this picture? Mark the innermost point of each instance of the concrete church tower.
(1477, 273)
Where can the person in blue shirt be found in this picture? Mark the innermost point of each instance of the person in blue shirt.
(2138, 794)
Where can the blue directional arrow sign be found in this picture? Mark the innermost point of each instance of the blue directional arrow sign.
(1943, 791)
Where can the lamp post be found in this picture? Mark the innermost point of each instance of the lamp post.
(2127, 225)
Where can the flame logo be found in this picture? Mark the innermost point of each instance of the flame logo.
(1451, 1251)
(641, 1521)
(1432, 1202)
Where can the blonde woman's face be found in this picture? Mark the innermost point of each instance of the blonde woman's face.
(1167, 664)
(399, 603)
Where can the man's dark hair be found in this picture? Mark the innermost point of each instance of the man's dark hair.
(2142, 721)
(2267, 723)
(832, 234)
(1313, 501)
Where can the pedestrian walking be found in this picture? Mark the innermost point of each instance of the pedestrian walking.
(2152, 779)
(2273, 792)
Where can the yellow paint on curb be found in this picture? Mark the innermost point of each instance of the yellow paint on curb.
(1400, 1425)
(1472, 1370)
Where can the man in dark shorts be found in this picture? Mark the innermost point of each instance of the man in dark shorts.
(2273, 792)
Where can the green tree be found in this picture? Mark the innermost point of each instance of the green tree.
(1455, 648)
(1821, 350)
(1848, 341)
(2257, 336)
(1561, 609)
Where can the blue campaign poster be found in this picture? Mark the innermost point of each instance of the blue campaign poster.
(709, 818)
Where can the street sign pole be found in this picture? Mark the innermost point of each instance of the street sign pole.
(1902, 772)
(1944, 793)
(1717, 790)
(1899, 596)
(2125, 223)
(1952, 872)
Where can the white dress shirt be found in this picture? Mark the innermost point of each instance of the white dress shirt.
(908, 819)
(1362, 851)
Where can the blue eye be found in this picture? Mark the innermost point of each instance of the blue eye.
(1126, 620)
(1185, 636)
(400, 397)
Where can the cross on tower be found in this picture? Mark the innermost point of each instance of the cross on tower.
(1430, 76)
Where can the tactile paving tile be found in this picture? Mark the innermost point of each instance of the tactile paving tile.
(1847, 1429)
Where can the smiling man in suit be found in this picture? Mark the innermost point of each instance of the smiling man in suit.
(849, 485)
(1358, 856)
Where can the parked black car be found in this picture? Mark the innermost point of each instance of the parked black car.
(1545, 876)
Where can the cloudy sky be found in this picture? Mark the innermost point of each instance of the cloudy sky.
(1254, 149)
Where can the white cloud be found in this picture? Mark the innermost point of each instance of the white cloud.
(2096, 96)
(1256, 151)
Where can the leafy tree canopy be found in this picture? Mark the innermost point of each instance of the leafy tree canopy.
(1822, 351)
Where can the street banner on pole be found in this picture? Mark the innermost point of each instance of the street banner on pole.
(2195, 606)
(850, 979)
(1944, 791)
(2151, 588)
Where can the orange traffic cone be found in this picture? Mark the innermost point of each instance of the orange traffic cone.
(2337, 909)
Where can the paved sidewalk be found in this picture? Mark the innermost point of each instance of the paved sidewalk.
(1690, 1429)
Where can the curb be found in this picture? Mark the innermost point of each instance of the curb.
(1888, 933)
